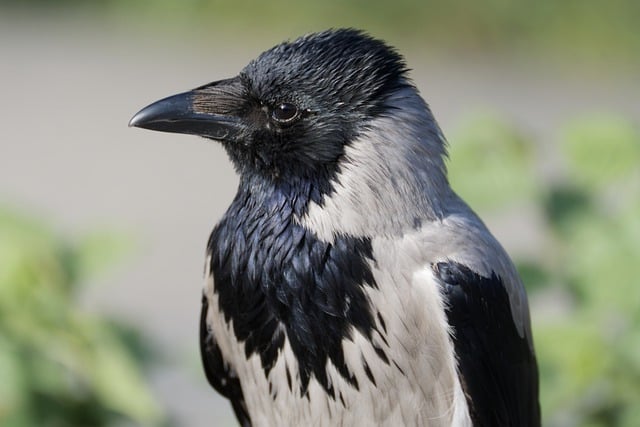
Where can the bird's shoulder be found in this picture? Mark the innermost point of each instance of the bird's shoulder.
(486, 310)
(462, 237)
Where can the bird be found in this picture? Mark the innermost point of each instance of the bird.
(347, 283)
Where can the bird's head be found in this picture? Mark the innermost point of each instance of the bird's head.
(328, 114)
(292, 110)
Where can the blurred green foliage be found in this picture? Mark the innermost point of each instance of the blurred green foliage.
(583, 283)
(570, 30)
(60, 365)
(503, 157)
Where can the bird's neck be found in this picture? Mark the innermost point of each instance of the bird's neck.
(392, 178)
(278, 199)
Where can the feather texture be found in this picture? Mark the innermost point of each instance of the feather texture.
(497, 366)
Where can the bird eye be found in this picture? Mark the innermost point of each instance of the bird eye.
(285, 113)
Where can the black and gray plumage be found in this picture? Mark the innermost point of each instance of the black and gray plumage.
(347, 284)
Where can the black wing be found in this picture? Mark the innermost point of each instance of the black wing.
(218, 372)
(497, 366)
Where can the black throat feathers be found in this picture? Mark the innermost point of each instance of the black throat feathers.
(276, 281)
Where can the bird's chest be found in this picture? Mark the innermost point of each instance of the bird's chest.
(276, 283)
(321, 332)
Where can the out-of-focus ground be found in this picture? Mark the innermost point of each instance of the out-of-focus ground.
(68, 90)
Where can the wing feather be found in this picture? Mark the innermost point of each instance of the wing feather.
(497, 366)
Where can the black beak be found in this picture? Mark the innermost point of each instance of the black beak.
(211, 111)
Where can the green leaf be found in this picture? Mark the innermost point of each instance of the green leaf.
(97, 252)
(601, 149)
(564, 205)
(60, 366)
(12, 386)
(117, 378)
(491, 162)
(534, 276)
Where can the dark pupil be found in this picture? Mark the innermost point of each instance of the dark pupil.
(285, 112)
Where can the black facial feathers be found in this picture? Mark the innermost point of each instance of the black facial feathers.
(336, 81)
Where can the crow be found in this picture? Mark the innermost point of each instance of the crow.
(347, 283)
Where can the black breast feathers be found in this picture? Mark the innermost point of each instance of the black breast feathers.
(275, 280)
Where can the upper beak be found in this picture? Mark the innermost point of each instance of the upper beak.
(210, 111)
